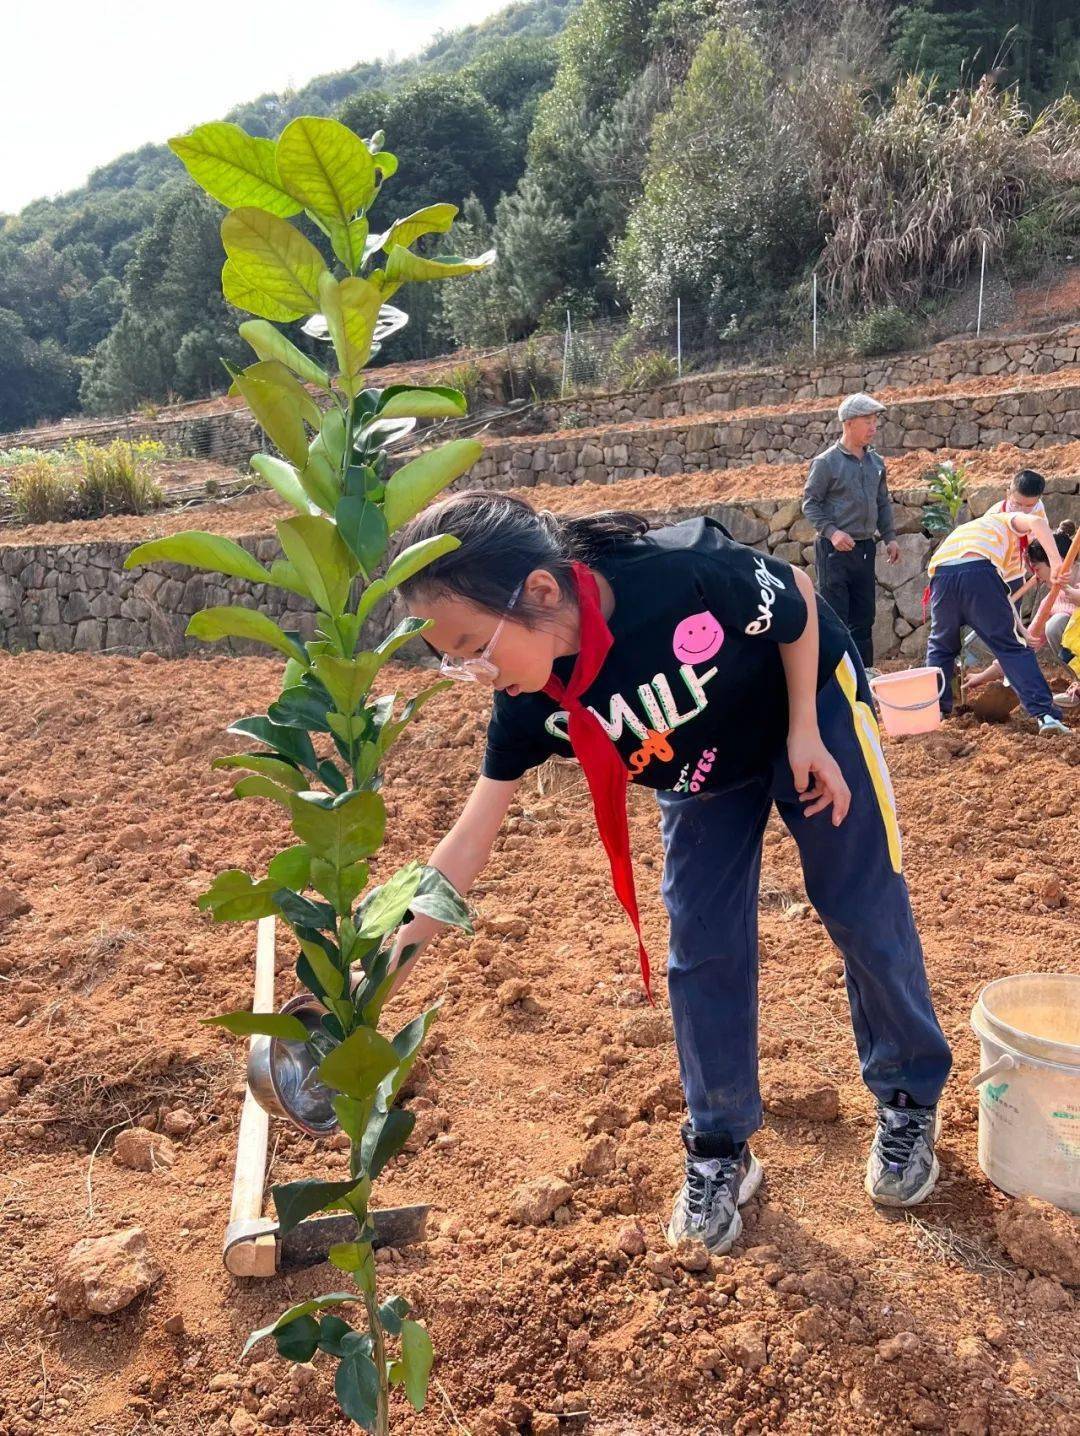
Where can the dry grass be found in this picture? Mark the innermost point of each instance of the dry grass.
(949, 1248)
(922, 184)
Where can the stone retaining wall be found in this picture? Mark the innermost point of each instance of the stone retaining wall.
(1030, 419)
(701, 393)
(78, 597)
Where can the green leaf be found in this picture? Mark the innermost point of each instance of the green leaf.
(263, 1024)
(405, 267)
(339, 885)
(331, 980)
(269, 767)
(234, 168)
(293, 1201)
(211, 624)
(411, 401)
(270, 343)
(331, 437)
(438, 898)
(274, 256)
(382, 911)
(277, 407)
(385, 162)
(327, 166)
(349, 242)
(200, 550)
(350, 308)
(273, 373)
(356, 1386)
(417, 556)
(363, 527)
(283, 479)
(233, 897)
(244, 292)
(346, 679)
(407, 1044)
(417, 1356)
(432, 219)
(295, 1313)
(301, 706)
(390, 731)
(342, 830)
(351, 1115)
(392, 1312)
(408, 628)
(256, 786)
(320, 478)
(348, 1256)
(298, 1340)
(386, 1134)
(291, 743)
(416, 483)
(314, 547)
(359, 1064)
(291, 868)
(332, 1330)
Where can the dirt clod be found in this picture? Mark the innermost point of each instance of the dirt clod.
(535, 1201)
(1042, 1238)
(102, 1275)
(143, 1151)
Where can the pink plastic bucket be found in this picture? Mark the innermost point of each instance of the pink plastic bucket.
(909, 701)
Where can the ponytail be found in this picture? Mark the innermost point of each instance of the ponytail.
(502, 539)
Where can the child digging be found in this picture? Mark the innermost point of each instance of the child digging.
(1051, 618)
(968, 588)
(709, 672)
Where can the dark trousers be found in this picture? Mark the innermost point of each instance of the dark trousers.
(974, 594)
(846, 581)
(712, 865)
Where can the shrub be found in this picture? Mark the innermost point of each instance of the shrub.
(647, 370)
(469, 379)
(116, 479)
(884, 331)
(41, 492)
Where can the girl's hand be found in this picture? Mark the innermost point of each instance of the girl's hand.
(818, 779)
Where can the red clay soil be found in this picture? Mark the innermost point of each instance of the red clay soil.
(543, 1058)
(1060, 299)
(256, 513)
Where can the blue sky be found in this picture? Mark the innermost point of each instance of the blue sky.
(83, 83)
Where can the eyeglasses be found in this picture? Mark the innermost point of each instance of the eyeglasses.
(480, 669)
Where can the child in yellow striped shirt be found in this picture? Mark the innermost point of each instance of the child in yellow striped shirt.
(968, 587)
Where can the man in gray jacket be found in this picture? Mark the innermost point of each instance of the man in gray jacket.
(847, 500)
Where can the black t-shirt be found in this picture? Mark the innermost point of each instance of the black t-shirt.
(692, 691)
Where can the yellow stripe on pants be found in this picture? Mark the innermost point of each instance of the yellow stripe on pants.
(866, 730)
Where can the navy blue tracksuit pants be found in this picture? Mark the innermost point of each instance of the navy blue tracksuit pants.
(712, 867)
(974, 594)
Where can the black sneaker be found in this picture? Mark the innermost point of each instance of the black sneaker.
(720, 1177)
(903, 1167)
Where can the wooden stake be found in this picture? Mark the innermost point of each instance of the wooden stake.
(249, 1252)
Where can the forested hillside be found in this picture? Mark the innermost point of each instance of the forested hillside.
(621, 155)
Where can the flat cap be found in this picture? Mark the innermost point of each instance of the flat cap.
(857, 406)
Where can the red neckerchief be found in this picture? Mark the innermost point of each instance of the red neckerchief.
(600, 760)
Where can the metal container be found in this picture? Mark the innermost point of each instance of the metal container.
(282, 1074)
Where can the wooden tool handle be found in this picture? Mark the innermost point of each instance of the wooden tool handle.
(257, 1254)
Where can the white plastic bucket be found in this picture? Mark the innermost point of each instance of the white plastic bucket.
(1029, 1087)
(910, 701)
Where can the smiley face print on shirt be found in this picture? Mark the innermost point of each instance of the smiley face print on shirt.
(697, 638)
